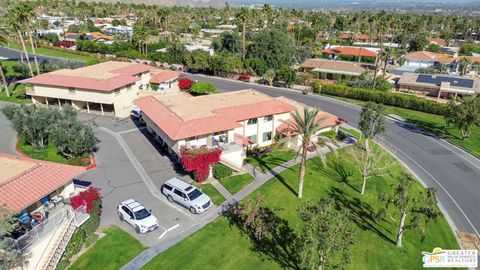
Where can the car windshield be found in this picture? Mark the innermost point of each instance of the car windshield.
(194, 194)
(141, 214)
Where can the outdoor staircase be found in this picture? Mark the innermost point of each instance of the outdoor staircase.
(232, 166)
(54, 257)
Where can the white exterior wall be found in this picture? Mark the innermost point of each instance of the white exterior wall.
(235, 157)
(419, 63)
(68, 189)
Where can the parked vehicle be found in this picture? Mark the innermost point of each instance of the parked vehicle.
(187, 195)
(137, 215)
(136, 113)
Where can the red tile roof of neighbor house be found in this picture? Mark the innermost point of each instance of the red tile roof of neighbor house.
(106, 76)
(430, 56)
(439, 41)
(354, 51)
(329, 120)
(181, 116)
(164, 76)
(30, 180)
(350, 35)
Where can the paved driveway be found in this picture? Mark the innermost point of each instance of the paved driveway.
(119, 179)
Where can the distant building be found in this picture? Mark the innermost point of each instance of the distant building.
(438, 85)
(438, 41)
(109, 87)
(333, 70)
(350, 53)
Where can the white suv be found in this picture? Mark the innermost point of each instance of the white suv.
(137, 215)
(187, 195)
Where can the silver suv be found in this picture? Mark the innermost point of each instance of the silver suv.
(187, 195)
(137, 215)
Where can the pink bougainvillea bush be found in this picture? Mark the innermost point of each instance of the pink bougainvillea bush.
(199, 160)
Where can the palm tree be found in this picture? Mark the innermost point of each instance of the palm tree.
(307, 126)
(15, 22)
(243, 15)
(25, 13)
(3, 40)
(464, 64)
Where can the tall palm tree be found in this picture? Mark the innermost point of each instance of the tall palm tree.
(306, 125)
(243, 15)
(3, 40)
(14, 21)
(26, 13)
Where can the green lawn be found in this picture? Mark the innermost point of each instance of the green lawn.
(350, 131)
(271, 160)
(54, 53)
(222, 245)
(17, 94)
(212, 192)
(435, 124)
(50, 153)
(111, 252)
(237, 182)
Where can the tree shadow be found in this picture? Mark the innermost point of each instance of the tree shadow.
(338, 172)
(280, 244)
(361, 213)
(284, 183)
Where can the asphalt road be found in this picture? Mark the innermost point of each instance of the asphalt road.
(14, 55)
(454, 173)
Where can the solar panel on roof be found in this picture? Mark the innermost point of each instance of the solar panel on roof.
(437, 80)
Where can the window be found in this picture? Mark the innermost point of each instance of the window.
(190, 139)
(167, 187)
(252, 121)
(252, 138)
(71, 90)
(220, 133)
(268, 118)
(179, 193)
(267, 136)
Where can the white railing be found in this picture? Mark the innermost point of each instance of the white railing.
(80, 215)
(47, 226)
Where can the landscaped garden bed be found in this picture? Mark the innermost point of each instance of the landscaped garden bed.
(338, 180)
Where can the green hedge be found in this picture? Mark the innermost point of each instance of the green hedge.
(387, 98)
(221, 171)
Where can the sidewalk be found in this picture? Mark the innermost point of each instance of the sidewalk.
(260, 179)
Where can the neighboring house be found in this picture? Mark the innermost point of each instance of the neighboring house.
(93, 36)
(39, 192)
(333, 69)
(232, 121)
(350, 53)
(438, 85)
(164, 80)
(227, 27)
(194, 47)
(438, 41)
(105, 87)
(120, 29)
(426, 59)
(349, 36)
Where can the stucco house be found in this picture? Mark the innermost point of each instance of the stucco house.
(232, 121)
(38, 192)
(109, 87)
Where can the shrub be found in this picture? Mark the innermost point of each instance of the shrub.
(86, 198)
(185, 83)
(203, 88)
(199, 160)
(387, 98)
(221, 171)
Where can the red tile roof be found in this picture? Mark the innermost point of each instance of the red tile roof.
(124, 76)
(175, 127)
(35, 183)
(354, 51)
(430, 56)
(244, 112)
(163, 76)
(330, 120)
(438, 41)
